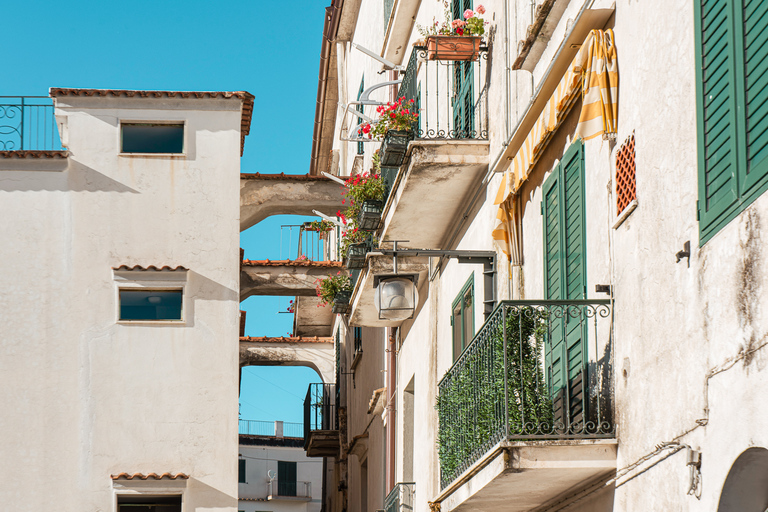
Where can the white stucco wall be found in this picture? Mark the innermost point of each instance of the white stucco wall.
(87, 397)
(260, 460)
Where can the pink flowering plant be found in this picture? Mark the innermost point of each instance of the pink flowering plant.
(398, 115)
(328, 287)
(318, 225)
(471, 24)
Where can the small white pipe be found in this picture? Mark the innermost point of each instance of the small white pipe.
(334, 178)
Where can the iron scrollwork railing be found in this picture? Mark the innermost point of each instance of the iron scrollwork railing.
(535, 370)
(451, 97)
(320, 411)
(27, 123)
(400, 499)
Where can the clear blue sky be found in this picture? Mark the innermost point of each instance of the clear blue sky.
(270, 49)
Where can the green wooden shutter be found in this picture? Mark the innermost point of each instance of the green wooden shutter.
(565, 279)
(286, 478)
(463, 85)
(755, 37)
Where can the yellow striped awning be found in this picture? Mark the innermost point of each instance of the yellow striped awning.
(599, 87)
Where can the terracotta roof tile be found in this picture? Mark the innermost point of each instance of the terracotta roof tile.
(34, 154)
(245, 97)
(285, 339)
(142, 476)
(292, 263)
(139, 268)
(282, 176)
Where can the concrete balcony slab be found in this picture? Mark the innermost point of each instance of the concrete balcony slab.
(311, 317)
(523, 476)
(284, 277)
(323, 443)
(432, 191)
(364, 312)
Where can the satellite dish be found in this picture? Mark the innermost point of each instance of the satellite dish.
(271, 474)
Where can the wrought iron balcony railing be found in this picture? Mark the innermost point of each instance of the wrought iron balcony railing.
(451, 97)
(320, 411)
(400, 499)
(28, 123)
(289, 488)
(535, 370)
(269, 428)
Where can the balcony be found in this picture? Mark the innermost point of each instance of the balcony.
(270, 428)
(29, 138)
(400, 499)
(290, 490)
(449, 155)
(526, 411)
(321, 430)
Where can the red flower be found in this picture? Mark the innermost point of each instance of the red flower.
(460, 31)
(367, 128)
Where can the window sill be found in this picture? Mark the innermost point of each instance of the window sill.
(163, 155)
(626, 213)
(152, 322)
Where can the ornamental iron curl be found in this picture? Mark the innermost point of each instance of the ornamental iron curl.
(502, 387)
(27, 123)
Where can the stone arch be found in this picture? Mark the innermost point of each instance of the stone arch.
(316, 353)
(746, 487)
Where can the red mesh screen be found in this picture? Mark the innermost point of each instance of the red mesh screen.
(626, 189)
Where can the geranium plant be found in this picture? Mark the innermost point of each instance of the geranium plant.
(318, 225)
(400, 115)
(471, 25)
(328, 287)
(360, 188)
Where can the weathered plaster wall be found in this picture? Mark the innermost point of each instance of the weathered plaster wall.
(89, 397)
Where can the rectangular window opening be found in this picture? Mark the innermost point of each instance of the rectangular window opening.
(152, 138)
(149, 504)
(142, 304)
(241, 471)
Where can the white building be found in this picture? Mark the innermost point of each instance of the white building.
(275, 474)
(120, 305)
(639, 258)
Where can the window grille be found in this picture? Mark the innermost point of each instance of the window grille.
(626, 188)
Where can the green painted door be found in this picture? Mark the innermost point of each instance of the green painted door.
(463, 85)
(286, 478)
(565, 279)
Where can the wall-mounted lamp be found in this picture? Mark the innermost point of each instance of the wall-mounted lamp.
(395, 296)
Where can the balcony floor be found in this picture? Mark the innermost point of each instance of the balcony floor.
(520, 476)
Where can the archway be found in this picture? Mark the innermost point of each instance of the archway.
(746, 487)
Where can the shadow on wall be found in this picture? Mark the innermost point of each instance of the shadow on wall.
(77, 178)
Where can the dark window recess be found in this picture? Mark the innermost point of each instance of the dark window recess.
(150, 304)
(142, 504)
(241, 471)
(152, 138)
(286, 478)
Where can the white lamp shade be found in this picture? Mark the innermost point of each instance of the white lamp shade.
(396, 298)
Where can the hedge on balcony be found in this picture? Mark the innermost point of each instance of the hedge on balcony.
(470, 403)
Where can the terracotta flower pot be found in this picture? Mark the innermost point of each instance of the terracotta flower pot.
(453, 47)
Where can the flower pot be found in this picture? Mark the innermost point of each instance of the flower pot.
(394, 146)
(356, 255)
(370, 215)
(341, 303)
(453, 48)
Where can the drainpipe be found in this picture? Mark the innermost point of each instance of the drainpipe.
(391, 423)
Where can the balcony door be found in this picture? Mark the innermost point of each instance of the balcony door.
(286, 478)
(463, 84)
(565, 350)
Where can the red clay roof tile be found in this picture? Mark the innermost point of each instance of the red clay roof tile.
(292, 263)
(35, 154)
(142, 476)
(286, 339)
(139, 268)
(246, 98)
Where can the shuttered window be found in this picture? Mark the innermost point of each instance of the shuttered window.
(732, 96)
(463, 317)
(565, 352)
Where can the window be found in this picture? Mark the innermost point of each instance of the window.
(360, 145)
(286, 478)
(141, 304)
(731, 106)
(148, 504)
(626, 187)
(152, 137)
(463, 317)
(241, 471)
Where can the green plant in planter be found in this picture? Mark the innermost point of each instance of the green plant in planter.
(471, 405)
(352, 235)
(398, 115)
(318, 225)
(360, 188)
(328, 287)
